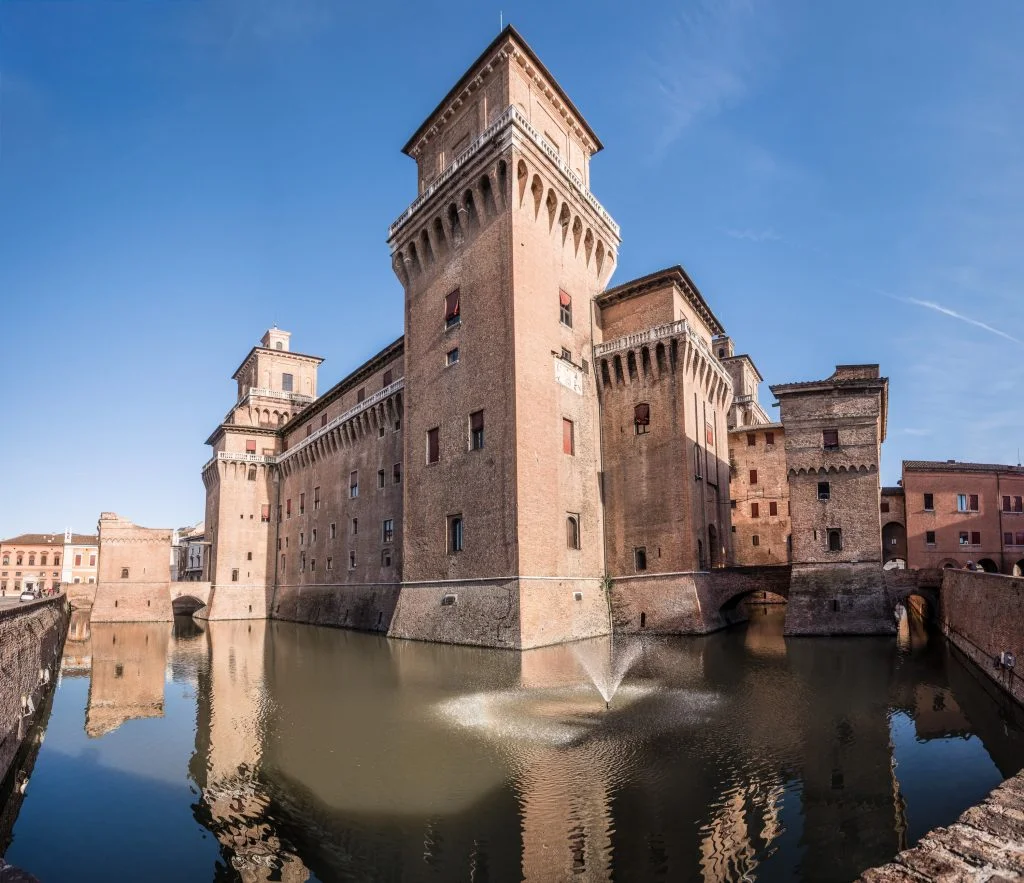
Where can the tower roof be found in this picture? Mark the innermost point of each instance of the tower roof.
(508, 34)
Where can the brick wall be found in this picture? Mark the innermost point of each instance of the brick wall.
(983, 615)
(839, 599)
(772, 486)
(31, 639)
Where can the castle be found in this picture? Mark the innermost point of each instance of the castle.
(532, 435)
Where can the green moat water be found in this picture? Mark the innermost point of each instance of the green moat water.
(256, 751)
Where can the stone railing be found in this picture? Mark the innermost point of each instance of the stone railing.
(368, 402)
(742, 400)
(264, 392)
(511, 117)
(630, 341)
(238, 457)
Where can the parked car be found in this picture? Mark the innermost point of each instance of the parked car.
(28, 595)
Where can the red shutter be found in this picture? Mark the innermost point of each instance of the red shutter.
(432, 447)
(1006, 504)
(564, 298)
(709, 434)
(755, 510)
(1020, 538)
(973, 505)
(250, 446)
(773, 508)
(451, 306)
(567, 439)
(975, 538)
(642, 415)
(753, 476)
(1018, 504)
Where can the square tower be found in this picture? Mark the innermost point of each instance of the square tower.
(501, 255)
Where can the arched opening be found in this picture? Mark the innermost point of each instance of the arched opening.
(988, 565)
(186, 605)
(631, 364)
(913, 616)
(487, 196)
(1018, 568)
(757, 605)
(949, 564)
(439, 237)
(659, 357)
(454, 224)
(577, 233)
(617, 361)
(700, 556)
(606, 377)
(894, 542)
(645, 361)
(428, 252)
(572, 532)
(472, 218)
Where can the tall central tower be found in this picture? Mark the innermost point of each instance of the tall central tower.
(501, 255)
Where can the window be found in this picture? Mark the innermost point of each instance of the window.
(568, 438)
(961, 502)
(380, 478)
(124, 573)
(1019, 538)
(773, 508)
(751, 439)
(286, 382)
(355, 526)
(333, 530)
(288, 507)
(380, 431)
(835, 540)
(248, 556)
(452, 313)
(455, 538)
(323, 419)
(1018, 504)
(314, 536)
(330, 563)
(78, 561)
(42, 559)
(7, 560)
(755, 510)
(433, 446)
(1007, 539)
(964, 538)
(972, 502)
(885, 505)
(753, 476)
(252, 473)
(20, 558)
(975, 537)
(732, 504)
(755, 540)
(361, 394)
(929, 502)
(565, 309)
(387, 530)
(396, 473)
(476, 431)
(351, 560)
(824, 490)
(385, 558)
(265, 512)
(641, 418)
(31, 558)
(302, 503)
(387, 378)
(284, 559)
(250, 446)
(572, 531)
(56, 560)
(353, 485)
(452, 357)
(929, 537)
(316, 498)
(398, 424)
(302, 562)
(302, 538)
(566, 355)
(640, 558)
(709, 434)
(830, 439)
(696, 461)
(312, 565)
(769, 438)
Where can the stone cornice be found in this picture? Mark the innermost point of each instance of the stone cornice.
(287, 354)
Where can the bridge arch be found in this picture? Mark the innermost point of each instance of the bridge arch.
(1018, 568)
(988, 565)
(185, 605)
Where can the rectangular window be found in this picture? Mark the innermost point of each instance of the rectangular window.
(929, 537)
(302, 503)
(316, 498)
(387, 379)
(279, 513)
(351, 560)
(312, 565)
(753, 476)
(302, 538)
(1018, 504)
(975, 537)
(1008, 539)
(769, 438)
(755, 540)
(476, 431)
(92, 561)
(568, 437)
(314, 535)
(309, 430)
(265, 513)
(1019, 537)
(640, 558)
(835, 540)
(396, 473)
(1006, 504)
(773, 508)
(385, 558)
(885, 505)
(333, 533)
(380, 478)
(248, 556)
(330, 563)
(452, 311)
(353, 485)
(972, 502)
(355, 526)
(961, 502)
(964, 538)
(751, 439)
(565, 308)
(234, 575)
(387, 532)
(252, 473)
(824, 490)
(78, 560)
(360, 394)
(755, 510)
(452, 357)
(323, 419)
(566, 355)
(380, 431)
(830, 439)
(286, 382)
(641, 418)
(455, 537)
(250, 446)
(433, 445)
(929, 502)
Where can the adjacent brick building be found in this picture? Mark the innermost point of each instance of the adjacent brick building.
(964, 512)
(31, 561)
(893, 509)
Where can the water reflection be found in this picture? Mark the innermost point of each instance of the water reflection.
(332, 755)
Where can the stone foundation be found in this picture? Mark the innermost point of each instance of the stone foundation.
(237, 601)
(839, 599)
(124, 601)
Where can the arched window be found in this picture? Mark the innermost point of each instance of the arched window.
(572, 531)
(696, 462)
(42, 559)
(21, 558)
(31, 558)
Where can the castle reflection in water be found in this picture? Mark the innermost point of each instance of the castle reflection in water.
(323, 754)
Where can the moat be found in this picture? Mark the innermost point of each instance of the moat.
(274, 751)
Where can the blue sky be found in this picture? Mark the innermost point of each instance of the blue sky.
(844, 183)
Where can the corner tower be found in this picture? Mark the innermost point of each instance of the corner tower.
(501, 255)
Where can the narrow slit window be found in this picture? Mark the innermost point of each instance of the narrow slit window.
(452, 309)
(476, 431)
(572, 531)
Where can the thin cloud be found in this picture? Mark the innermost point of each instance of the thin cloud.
(953, 314)
(766, 235)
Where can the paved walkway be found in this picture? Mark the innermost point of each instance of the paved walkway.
(985, 844)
